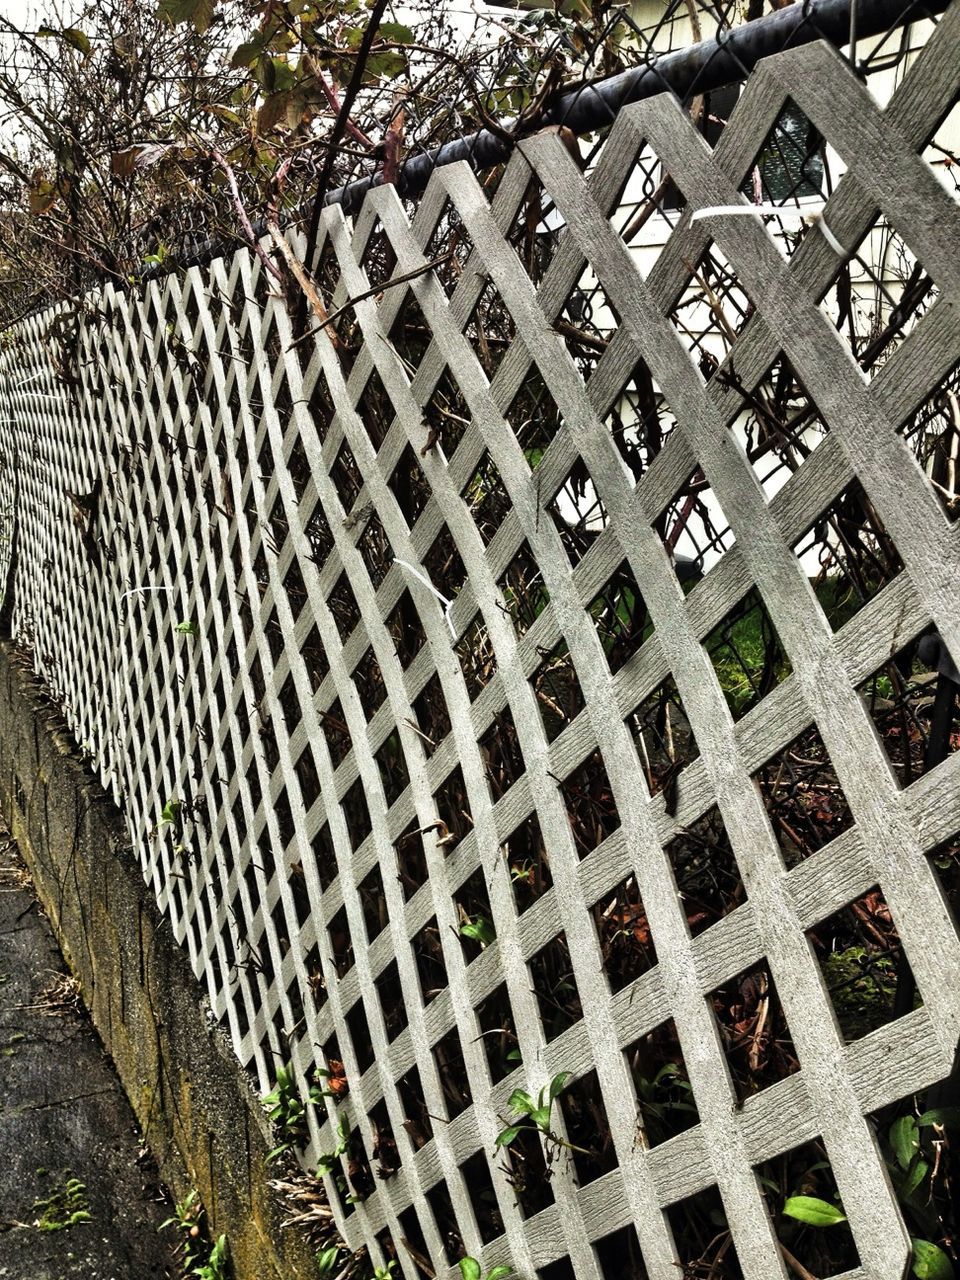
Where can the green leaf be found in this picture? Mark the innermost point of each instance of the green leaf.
(948, 1117)
(187, 628)
(520, 1100)
(245, 55)
(930, 1262)
(507, 1135)
(557, 1083)
(913, 1178)
(470, 1269)
(398, 34)
(817, 1213)
(327, 1260)
(905, 1140)
(169, 811)
(498, 1273)
(198, 12)
(480, 930)
(72, 36)
(541, 1116)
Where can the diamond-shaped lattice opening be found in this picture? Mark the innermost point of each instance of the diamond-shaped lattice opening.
(451, 241)
(315, 979)
(918, 1147)
(626, 944)
(359, 1174)
(373, 903)
(562, 1269)
(454, 819)
(393, 767)
(418, 1126)
(356, 1020)
(945, 860)
(411, 860)
(478, 661)
(588, 1129)
(406, 629)
(409, 485)
(502, 757)
(912, 700)
(320, 537)
(497, 1029)
(788, 170)
(620, 617)
(706, 873)
(295, 589)
(486, 496)
(578, 512)
(806, 1171)
(694, 530)
(753, 1030)
(664, 741)
(378, 259)
(803, 797)
(441, 1206)
(446, 415)
(328, 276)
(490, 329)
(368, 679)
(619, 1257)
(848, 555)
(639, 420)
(346, 476)
(864, 967)
(433, 718)
(534, 231)
(308, 777)
(526, 856)
(933, 433)
(587, 322)
(702, 1238)
(375, 410)
(777, 423)
(392, 1004)
(341, 944)
(343, 606)
(712, 310)
(448, 1055)
(428, 954)
(483, 1197)
(591, 808)
(555, 987)
(324, 857)
(557, 689)
(443, 564)
(534, 416)
(527, 1173)
(320, 404)
(410, 336)
(335, 731)
(879, 296)
(375, 549)
(356, 813)
(747, 655)
(385, 1153)
(665, 1102)
(475, 922)
(524, 594)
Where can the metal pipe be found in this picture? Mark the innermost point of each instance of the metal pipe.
(699, 68)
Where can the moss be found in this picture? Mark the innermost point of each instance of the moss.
(65, 1208)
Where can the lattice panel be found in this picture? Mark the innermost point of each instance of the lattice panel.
(434, 620)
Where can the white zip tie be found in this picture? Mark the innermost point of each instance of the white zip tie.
(447, 604)
(811, 216)
(140, 591)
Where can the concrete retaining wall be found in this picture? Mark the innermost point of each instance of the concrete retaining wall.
(195, 1105)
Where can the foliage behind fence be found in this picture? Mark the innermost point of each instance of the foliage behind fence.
(545, 668)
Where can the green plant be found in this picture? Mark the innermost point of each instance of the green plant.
(288, 1111)
(480, 929)
(199, 1257)
(328, 1160)
(470, 1269)
(536, 1115)
(187, 629)
(66, 1207)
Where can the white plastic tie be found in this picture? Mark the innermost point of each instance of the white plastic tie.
(812, 217)
(447, 604)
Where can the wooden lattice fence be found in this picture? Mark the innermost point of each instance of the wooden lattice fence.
(477, 704)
